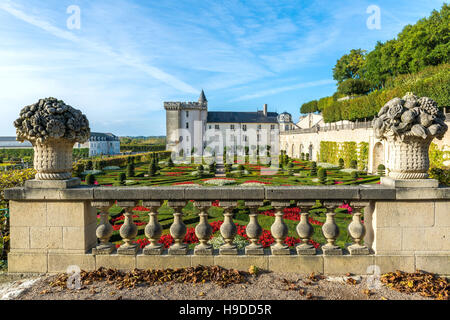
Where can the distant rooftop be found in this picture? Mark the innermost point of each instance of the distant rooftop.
(242, 117)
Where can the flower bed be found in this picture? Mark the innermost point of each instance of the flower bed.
(219, 181)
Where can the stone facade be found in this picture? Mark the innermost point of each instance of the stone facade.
(189, 125)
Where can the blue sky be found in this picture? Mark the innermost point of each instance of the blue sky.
(128, 57)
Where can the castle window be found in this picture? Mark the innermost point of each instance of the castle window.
(187, 114)
(217, 127)
(232, 126)
(244, 127)
(259, 127)
(272, 127)
(187, 125)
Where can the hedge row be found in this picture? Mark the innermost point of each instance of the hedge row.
(331, 152)
(142, 147)
(10, 154)
(123, 160)
(433, 82)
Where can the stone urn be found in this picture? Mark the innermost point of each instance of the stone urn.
(409, 124)
(53, 128)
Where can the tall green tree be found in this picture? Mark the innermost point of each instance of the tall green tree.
(350, 66)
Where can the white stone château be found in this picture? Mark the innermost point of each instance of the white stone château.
(101, 144)
(190, 126)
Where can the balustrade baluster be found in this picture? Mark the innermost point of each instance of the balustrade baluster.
(330, 231)
(279, 230)
(357, 231)
(254, 230)
(203, 230)
(228, 230)
(104, 230)
(153, 230)
(178, 230)
(305, 230)
(128, 231)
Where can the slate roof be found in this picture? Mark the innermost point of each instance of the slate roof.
(242, 117)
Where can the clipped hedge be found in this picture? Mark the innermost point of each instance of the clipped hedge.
(331, 152)
(433, 82)
(142, 147)
(123, 160)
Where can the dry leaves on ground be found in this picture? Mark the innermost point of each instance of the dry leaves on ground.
(200, 274)
(426, 284)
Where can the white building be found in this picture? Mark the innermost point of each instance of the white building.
(101, 144)
(190, 126)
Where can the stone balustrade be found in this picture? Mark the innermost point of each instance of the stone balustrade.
(404, 228)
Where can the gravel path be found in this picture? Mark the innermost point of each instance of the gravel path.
(266, 286)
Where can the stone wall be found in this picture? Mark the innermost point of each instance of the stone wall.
(407, 228)
(296, 143)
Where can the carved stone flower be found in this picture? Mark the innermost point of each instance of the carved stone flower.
(410, 116)
(56, 129)
(51, 118)
(395, 111)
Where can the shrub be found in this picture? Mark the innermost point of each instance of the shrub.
(353, 164)
(241, 167)
(130, 170)
(341, 163)
(307, 156)
(322, 174)
(313, 169)
(152, 169)
(97, 165)
(302, 156)
(170, 163)
(354, 174)
(78, 169)
(89, 165)
(200, 169)
(381, 170)
(212, 168)
(442, 175)
(122, 178)
(354, 86)
(90, 179)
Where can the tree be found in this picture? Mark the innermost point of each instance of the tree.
(354, 86)
(152, 169)
(90, 179)
(313, 169)
(122, 178)
(309, 107)
(130, 170)
(322, 174)
(350, 66)
(341, 163)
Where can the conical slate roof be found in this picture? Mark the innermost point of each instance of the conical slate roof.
(202, 97)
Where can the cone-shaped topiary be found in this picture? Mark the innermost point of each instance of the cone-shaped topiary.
(341, 163)
(381, 170)
(354, 164)
(130, 170)
(322, 174)
(313, 169)
(122, 178)
(90, 179)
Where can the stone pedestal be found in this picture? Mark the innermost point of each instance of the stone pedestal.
(52, 184)
(358, 250)
(331, 250)
(103, 249)
(153, 251)
(409, 183)
(128, 249)
(306, 250)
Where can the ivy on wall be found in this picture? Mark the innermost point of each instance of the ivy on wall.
(331, 152)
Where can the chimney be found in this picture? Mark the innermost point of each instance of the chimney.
(265, 110)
